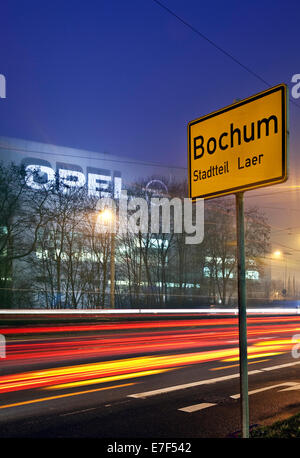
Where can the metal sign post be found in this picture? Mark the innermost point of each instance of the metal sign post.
(241, 271)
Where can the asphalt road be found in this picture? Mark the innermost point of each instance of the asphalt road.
(174, 378)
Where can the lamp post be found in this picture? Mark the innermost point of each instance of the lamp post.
(107, 218)
(112, 270)
(282, 256)
(286, 273)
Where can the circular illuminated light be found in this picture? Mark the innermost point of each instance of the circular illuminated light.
(156, 188)
(106, 215)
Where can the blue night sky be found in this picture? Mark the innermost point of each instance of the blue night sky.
(125, 77)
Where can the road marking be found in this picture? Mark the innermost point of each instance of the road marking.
(169, 389)
(292, 388)
(272, 368)
(50, 398)
(259, 390)
(196, 407)
(77, 411)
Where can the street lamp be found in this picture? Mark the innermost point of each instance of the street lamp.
(282, 256)
(277, 254)
(107, 218)
(112, 270)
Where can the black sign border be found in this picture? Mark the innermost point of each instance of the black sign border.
(258, 184)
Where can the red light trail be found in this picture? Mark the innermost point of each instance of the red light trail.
(150, 347)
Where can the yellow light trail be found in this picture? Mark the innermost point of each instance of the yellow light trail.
(125, 367)
(281, 342)
(259, 355)
(237, 365)
(50, 398)
(105, 379)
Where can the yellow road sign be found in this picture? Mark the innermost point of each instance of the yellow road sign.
(240, 147)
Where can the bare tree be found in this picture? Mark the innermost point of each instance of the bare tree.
(220, 246)
(22, 213)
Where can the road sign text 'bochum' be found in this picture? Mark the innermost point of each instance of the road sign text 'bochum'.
(240, 147)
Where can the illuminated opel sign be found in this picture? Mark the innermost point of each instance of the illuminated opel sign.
(99, 183)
